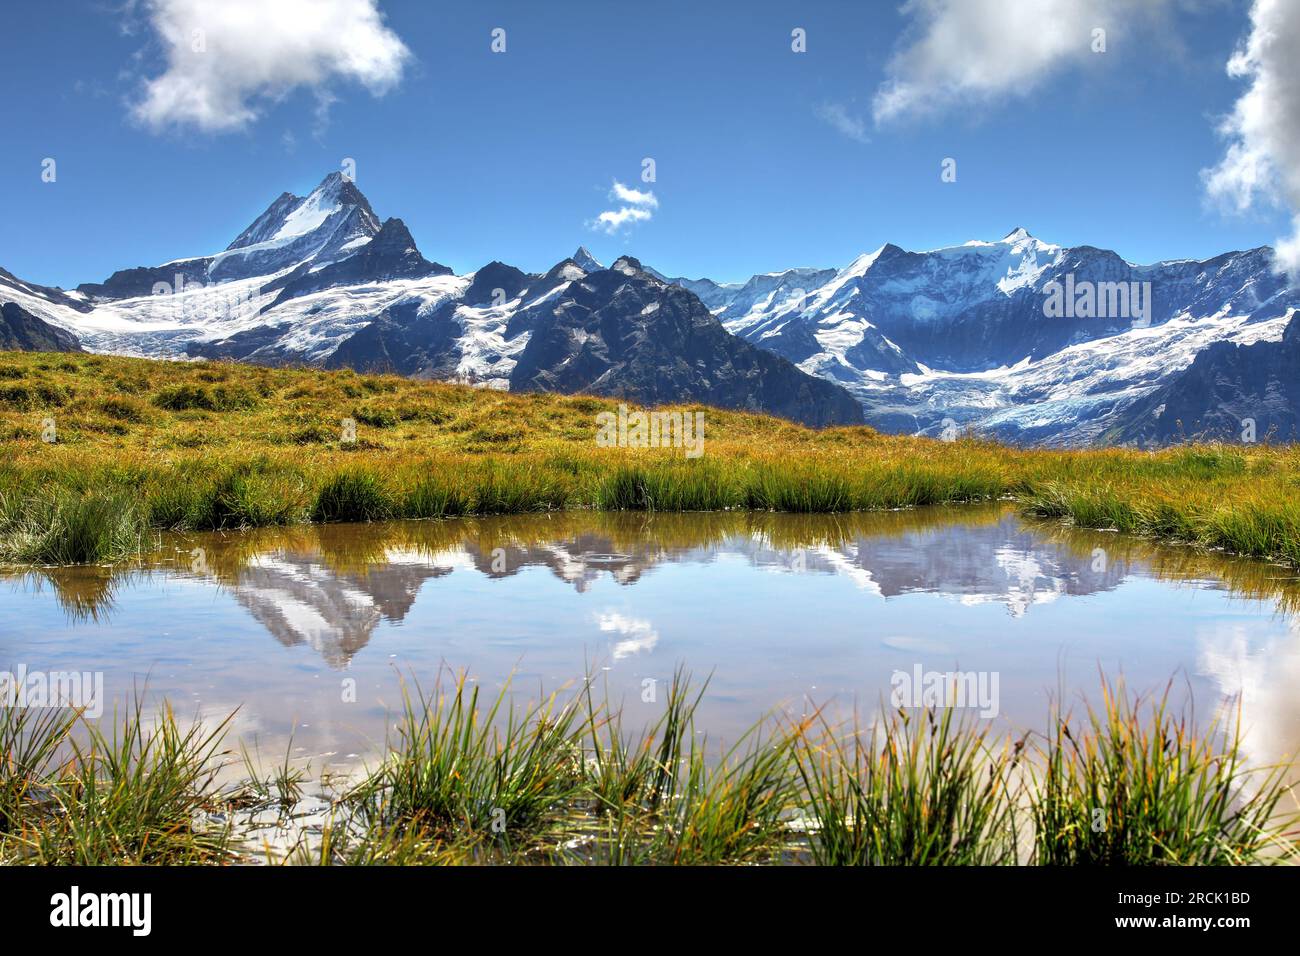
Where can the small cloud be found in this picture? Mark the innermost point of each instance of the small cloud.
(637, 206)
(841, 119)
(611, 220)
(321, 114)
(635, 196)
(225, 60)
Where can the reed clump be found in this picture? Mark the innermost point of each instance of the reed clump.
(135, 789)
(1133, 784)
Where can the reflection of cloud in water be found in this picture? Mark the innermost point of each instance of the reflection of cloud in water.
(638, 634)
(1264, 678)
(300, 600)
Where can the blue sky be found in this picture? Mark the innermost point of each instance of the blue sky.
(512, 155)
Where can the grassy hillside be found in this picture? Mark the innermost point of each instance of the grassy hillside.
(144, 445)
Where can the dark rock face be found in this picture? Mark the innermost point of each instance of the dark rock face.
(944, 311)
(129, 283)
(617, 332)
(493, 277)
(961, 333)
(241, 346)
(621, 332)
(327, 224)
(1226, 385)
(585, 260)
(404, 342)
(24, 332)
(48, 293)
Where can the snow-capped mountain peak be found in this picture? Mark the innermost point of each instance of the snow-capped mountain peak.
(329, 222)
(586, 261)
(962, 333)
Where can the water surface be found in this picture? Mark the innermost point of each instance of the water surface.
(308, 630)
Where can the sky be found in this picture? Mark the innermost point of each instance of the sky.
(173, 123)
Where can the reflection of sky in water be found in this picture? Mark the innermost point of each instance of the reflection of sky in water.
(280, 625)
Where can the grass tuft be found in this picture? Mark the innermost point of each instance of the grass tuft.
(1135, 786)
(64, 526)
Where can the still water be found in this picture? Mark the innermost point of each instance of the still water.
(310, 631)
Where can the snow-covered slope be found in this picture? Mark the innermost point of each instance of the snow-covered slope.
(970, 336)
(967, 336)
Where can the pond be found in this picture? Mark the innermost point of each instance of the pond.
(311, 631)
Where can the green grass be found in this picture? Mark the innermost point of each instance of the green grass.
(456, 769)
(471, 777)
(29, 745)
(59, 525)
(914, 790)
(127, 792)
(660, 797)
(1134, 785)
(355, 495)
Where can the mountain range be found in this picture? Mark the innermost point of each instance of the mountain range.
(1018, 339)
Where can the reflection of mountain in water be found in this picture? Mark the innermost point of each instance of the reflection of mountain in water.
(1000, 562)
(578, 560)
(300, 600)
(329, 587)
(1003, 563)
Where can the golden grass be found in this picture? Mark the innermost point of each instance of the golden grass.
(221, 445)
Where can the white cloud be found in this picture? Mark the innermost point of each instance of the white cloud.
(1262, 161)
(963, 50)
(635, 196)
(839, 117)
(637, 206)
(226, 58)
(611, 220)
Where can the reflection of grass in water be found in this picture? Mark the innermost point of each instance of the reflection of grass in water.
(362, 547)
(245, 446)
(84, 594)
(356, 549)
(1244, 577)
